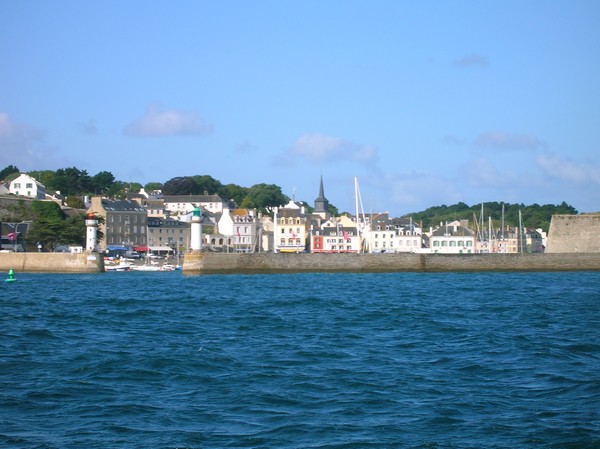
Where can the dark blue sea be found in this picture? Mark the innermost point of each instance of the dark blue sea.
(402, 360)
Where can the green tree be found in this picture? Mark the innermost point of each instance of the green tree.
(101, 182)
(233, 192)
(52, 227)
(48, 225)
(118, 189)
(183, 185)
(264, 197)
(71, 181)
(74, 230)
(151, 186)
(207, 184)
(75, 202)
(8, 170)
(46, 177)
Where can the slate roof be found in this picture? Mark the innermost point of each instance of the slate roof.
(122, 206)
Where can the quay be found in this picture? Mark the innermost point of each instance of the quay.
(52, 262)
(266, 263)
(198, 262)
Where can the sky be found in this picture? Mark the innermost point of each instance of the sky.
(423, 103)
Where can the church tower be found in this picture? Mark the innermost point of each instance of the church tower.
(321, 203)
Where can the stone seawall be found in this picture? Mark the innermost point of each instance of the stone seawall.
(574, 234)
(51, 262)
(220, 263)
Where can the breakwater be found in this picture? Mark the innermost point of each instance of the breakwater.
(222, 263)
(51, 262)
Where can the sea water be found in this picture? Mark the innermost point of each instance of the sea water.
(398, 360)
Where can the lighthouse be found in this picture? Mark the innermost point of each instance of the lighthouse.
(91, 236)
(196, 231)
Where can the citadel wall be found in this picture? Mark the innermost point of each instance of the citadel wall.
(574, 234)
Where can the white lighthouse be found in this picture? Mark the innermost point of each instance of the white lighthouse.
(196, 231)
(91, 235)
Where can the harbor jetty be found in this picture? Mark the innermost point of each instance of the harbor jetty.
(199, 262)
(52, 262)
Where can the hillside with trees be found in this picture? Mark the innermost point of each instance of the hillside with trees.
(533, 216)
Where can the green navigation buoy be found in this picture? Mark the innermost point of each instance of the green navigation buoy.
(11, 276)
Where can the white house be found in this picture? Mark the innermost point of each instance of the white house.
(184, 204)
(289, 231)
(334, 239)
(28, 186)
(453, 238)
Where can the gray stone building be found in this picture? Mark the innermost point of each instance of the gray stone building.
(124, 222)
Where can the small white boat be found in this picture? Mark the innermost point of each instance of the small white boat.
(122, 266)
(145, 268)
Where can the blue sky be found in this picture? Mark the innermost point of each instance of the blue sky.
(426, 103)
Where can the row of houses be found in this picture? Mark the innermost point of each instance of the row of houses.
(150, 221)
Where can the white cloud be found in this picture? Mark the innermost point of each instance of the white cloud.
(18, 134)
(23, 145)
(320, 149)
(473, 60)
(498, 140)
(568, 170)
(169, 122)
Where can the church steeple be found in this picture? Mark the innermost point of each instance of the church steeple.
(321, 203)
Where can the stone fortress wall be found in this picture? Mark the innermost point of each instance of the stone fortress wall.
(574, 234)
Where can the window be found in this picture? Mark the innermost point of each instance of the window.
(436, 243)
(29, 185)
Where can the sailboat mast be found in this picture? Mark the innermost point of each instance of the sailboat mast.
(356, 208)
(502, 221)
(490, 247)
(520, 231)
